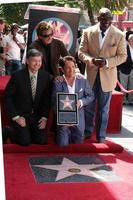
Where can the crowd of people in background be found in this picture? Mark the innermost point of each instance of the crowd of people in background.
(12, 45)
(125, 71)
(101, 48)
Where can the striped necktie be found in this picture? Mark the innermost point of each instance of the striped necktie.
(33, 85)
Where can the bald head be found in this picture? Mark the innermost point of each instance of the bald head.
(105, 12)
(105, 18)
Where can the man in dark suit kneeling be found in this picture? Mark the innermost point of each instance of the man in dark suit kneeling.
(27, 101)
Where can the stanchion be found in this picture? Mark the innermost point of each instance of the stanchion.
(123, 89)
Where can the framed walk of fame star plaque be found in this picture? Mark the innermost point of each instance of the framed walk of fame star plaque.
(67, 112)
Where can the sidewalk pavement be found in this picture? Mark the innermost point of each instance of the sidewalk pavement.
(125, 138)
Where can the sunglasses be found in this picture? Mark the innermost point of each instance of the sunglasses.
(46, 36)
(15, 27)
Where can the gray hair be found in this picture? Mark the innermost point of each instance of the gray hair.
(130, 37)
(33, 53)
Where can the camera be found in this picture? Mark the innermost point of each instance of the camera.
(99, 60)
(1, 50)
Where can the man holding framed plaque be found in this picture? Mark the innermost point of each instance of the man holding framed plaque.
(67, 111)
(71, 95)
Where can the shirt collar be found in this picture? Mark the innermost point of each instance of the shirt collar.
(31, 74)
(99, 30)
(66, 79)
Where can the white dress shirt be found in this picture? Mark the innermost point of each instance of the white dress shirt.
(102, 39)
(13, 52)
(71, 89)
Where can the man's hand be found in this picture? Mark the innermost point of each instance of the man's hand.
(8, 62)
(59, 78)
(100, 62)
(68, 125)
(15, 39)
(42, 123)
(21, 121)
(79, 76)
(78, 104)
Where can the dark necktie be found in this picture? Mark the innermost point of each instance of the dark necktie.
(103, 34)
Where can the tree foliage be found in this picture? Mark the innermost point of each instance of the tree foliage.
(68, 3)
(15, 12)
(112, 5)
(93, 6)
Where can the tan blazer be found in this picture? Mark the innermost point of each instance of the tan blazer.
(113, 50)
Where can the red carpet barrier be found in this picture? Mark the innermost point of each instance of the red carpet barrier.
(3, 82)
(123, 89)
(115, 114)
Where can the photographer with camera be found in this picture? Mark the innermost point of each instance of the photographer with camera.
(14, 43)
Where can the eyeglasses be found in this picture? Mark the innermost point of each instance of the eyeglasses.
(46, 36)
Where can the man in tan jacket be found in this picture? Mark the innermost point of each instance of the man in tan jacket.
(102, 48)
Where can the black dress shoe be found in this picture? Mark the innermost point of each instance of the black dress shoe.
(6, 133)
(101, 140)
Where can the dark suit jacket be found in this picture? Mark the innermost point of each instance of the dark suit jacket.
(126, 67)
(57, 49)
(18, 94)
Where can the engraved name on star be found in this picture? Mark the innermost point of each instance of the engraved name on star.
(67, 103)
(69, 168)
